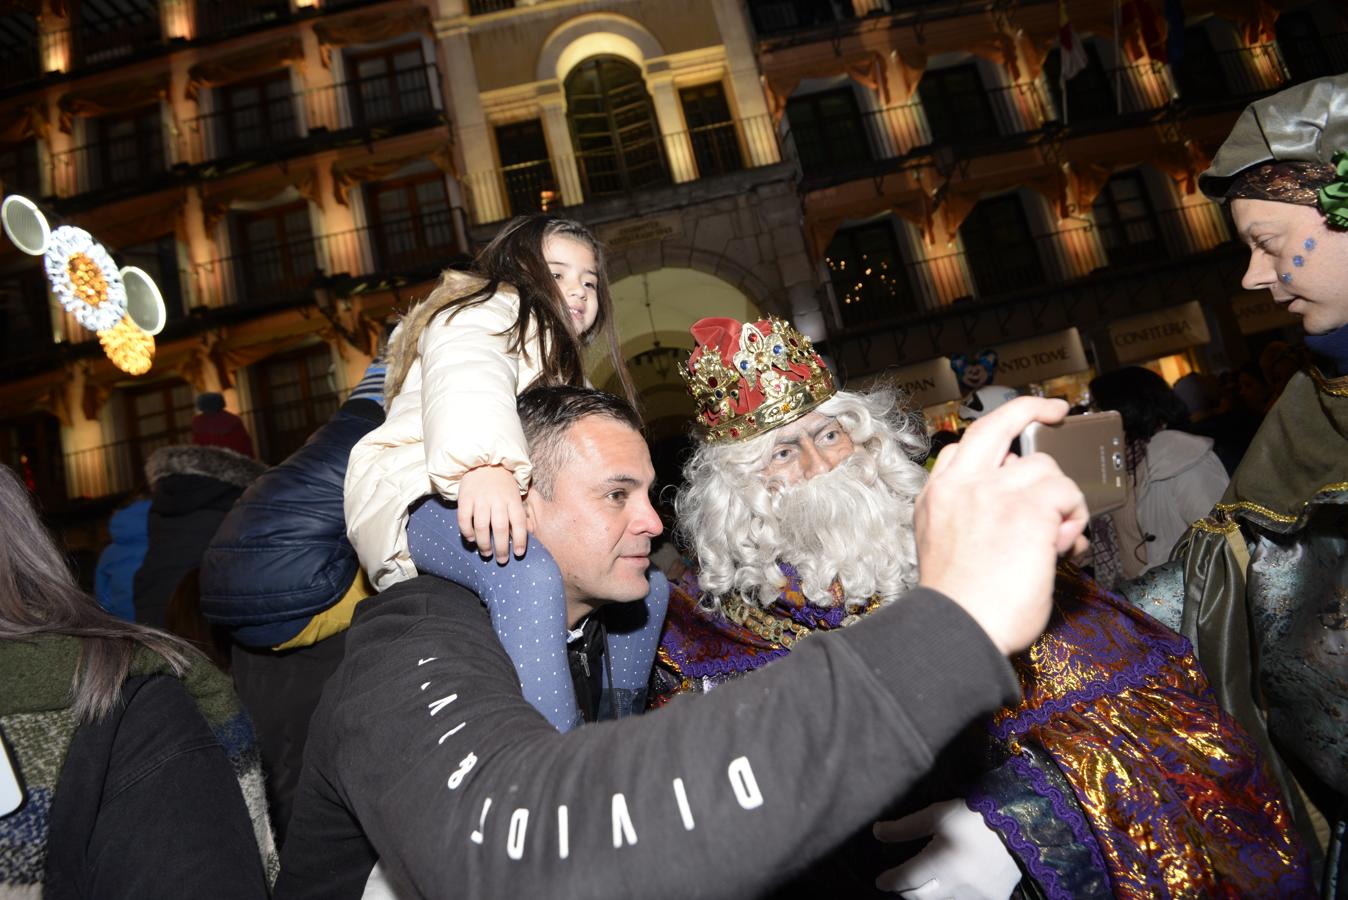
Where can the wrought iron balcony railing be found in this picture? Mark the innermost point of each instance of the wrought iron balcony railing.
(118, 467)
(294, 122)
(288, 272)
(877, 289)
(576, 178)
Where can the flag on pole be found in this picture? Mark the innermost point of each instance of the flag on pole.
(1072, 50)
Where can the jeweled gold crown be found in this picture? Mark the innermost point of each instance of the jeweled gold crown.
(749, 378)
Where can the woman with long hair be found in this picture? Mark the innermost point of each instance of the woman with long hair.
(133, 766)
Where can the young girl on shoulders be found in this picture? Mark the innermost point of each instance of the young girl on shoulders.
(538, 295)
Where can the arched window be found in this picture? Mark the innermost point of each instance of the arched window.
(613, 127)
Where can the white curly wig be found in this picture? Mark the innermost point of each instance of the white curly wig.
(854, 524)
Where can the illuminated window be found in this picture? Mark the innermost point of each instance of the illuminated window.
(295, 394)
(870, 279)
(256, 114)
(411, 222)
(276, 259)
(388, 85)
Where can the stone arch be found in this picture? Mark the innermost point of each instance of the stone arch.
(645, 259)
(655, 339)
(595, 34)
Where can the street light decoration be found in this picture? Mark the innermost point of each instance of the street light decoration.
(84, 279)
(128, 346)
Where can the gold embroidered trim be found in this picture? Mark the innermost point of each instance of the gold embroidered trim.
(1337, 387)
(1206, 525)
(1276, 516)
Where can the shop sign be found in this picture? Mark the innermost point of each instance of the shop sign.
(924, 384)
(1255, 312)
(1161, 333)
(1040, 358)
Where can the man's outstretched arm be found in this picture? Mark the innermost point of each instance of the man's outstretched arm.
(464, 790)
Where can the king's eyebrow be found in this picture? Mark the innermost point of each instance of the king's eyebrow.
(827, 424)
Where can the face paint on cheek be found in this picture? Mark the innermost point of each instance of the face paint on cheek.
(1285, 277)
(1309, 244)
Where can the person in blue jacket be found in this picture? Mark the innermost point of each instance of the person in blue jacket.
(117, 564)
(282, 579)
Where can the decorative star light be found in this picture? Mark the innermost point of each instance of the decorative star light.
(85, 279)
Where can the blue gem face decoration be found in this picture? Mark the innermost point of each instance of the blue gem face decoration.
(1285, 277)
(1309, 243)
(1298, 261)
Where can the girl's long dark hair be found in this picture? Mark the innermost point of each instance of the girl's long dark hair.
(515, 258)
(39, 595)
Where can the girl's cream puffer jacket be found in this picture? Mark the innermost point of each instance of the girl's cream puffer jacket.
(455, 412)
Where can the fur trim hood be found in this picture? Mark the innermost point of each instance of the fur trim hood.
(209, 462)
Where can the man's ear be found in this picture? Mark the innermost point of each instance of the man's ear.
(530, 518)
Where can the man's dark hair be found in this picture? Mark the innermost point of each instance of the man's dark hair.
(547, 414)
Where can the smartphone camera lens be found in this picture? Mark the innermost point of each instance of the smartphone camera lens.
(1118, 461)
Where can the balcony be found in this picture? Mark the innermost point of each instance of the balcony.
(415, 247)
(1230, 77)
(1315, 56)
(844, 148)
(124, 163)
(221, 18)
(124, 30)
(710, 151)
(20, 61)
(404, 100)
(772, 17)
(118, 468)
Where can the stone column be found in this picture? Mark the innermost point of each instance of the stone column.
(669, 115)
(557, 133)
(746, 89)
(459, 87)
(321, 102)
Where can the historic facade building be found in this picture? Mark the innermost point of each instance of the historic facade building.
(903, 179)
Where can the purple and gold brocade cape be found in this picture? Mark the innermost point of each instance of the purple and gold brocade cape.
(1119, 775)
(1177, 797)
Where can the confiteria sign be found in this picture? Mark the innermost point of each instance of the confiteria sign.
(1160, 333)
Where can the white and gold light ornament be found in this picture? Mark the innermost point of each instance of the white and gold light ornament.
(129, 347)
(84, 279)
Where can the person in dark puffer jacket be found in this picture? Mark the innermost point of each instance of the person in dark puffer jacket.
(191, 490)
(281, 576)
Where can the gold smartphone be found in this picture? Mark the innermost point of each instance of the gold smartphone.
(1089, 449)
